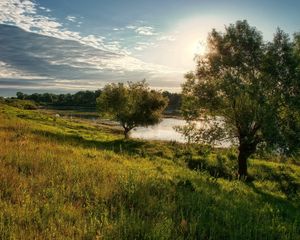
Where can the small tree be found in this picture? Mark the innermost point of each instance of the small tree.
(132, 105)
(244, 85)
(21, 95)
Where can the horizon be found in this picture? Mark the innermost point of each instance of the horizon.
(62, 47)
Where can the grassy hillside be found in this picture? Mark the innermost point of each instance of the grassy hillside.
(63, 179)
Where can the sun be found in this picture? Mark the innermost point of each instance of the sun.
(199, 48)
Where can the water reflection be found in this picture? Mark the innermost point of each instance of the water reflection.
(165, 131)
(162, 131)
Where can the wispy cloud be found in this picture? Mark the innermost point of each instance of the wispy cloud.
(8, 71)
(146, 31)
(71, 18)
(131, 27)
(44, 9)
(142, 30)
(143, 45)
(170, 38)
(24, 14)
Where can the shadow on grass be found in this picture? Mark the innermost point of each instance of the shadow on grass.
(284, 205)
(283, 176)
(130, 147)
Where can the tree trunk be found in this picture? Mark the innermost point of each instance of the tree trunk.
(245, 150)
(126, 133)
(242, 158)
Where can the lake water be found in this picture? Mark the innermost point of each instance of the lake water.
(165, 131)
(162, 131)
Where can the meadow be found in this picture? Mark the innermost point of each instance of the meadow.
(64, 178)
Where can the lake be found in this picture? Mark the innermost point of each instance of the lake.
(162, 131)
(165, 131)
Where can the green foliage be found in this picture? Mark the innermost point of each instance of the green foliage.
(132, 105)
(79, 99)
(23, 104)
(87, 100)
(174, 102)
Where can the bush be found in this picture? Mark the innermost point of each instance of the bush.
(22, 104)
(219, 167)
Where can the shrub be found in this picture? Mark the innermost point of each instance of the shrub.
(22, 104)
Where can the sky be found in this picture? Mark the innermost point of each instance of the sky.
(72, 45)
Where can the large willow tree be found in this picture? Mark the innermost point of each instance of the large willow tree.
(247, 87)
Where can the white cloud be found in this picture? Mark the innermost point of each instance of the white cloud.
(71, 18)
(139, 48)
(146, 31)
(45, 9)
(170, 38)
(142, 30)
(131, 27)
(143, 45)
(9, 72)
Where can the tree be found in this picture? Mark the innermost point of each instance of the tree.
(21, 95)
(132, 105)
(174, 101)
(282, 74)
(244, 86)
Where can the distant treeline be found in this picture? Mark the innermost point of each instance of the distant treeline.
(86, 99)
(174, 101)
(80, 99)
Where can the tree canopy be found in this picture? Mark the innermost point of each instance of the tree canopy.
(132, 104)
(251, 85)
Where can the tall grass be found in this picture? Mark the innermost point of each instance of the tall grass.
(63, 179)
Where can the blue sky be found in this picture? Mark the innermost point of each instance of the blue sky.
(70, 45)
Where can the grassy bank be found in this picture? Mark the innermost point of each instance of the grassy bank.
(72, 179)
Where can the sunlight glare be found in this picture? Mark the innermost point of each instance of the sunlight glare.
(199, 48)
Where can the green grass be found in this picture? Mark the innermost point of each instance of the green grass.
(72, 179)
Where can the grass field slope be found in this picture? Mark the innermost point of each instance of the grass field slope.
(66, 178)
